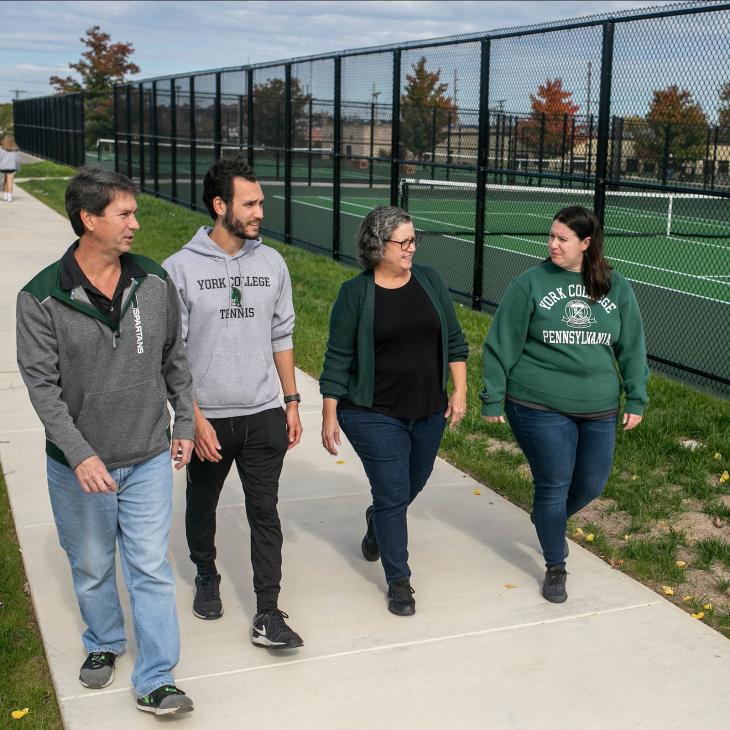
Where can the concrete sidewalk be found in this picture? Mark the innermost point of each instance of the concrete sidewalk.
(483, 651)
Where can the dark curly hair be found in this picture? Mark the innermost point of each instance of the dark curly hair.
(218, 181)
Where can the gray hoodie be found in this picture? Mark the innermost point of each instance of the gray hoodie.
(236, 313)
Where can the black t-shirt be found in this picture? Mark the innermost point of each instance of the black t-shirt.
(407, 338)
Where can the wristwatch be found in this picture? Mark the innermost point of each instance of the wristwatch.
(292, 398)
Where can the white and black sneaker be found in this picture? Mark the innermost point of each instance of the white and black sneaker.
(270, 630)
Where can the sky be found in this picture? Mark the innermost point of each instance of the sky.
(40, 39)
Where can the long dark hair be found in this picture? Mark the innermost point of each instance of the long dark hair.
(595, 270)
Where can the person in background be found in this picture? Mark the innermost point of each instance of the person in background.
(393, 340)
(8, 165)
(550, 360)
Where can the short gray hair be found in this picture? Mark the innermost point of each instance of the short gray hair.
(91, 189)
(377, 228)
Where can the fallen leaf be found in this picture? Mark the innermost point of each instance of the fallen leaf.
(668, 590)
(17, 714)
(688, 597)
(707, 607)
(717, 522)
(681, 564)
(616, 562)
(724, 477)
(477, 492)
(340, 461)
(510, 585)
(627, 536)
(26, 588)
(589, 537)
(717, 456)
(699, 614)
(634, 477)
(578, 532)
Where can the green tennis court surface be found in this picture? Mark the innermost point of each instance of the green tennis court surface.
(693, 259)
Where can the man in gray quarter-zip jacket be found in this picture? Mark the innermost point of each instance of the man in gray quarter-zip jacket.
(100, 349)
(238, 321)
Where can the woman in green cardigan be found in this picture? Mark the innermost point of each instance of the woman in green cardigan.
(394, 338)
(566, 340)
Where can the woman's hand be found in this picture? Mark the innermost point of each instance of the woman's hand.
(494, 419)
(456, 408)
(330, 426)
(631, 420)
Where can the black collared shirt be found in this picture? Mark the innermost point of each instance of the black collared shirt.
(72, 276)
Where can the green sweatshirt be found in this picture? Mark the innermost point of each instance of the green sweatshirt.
(551, 344)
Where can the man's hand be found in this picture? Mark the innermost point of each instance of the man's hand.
(181, 450)
(207, 446)
(293, 424)
(93, 476)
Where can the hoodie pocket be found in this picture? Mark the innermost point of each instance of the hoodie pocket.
(125, 422)
(237, 379)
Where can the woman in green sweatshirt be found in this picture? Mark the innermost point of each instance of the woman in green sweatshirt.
(566, 340)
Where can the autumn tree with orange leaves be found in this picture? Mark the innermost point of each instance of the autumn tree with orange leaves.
(551, 117)
(675, 126)
(425, 108)
(101, 66)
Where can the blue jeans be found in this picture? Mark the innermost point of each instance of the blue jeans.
(398, 457)
(570, 459)
(138, 516)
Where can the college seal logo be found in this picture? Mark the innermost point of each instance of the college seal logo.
(578, 314)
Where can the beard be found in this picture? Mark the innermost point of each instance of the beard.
(233, 225)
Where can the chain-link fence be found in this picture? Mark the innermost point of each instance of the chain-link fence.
(483, 138)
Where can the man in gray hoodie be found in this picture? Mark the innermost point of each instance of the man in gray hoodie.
(101, 352)
(238, 320)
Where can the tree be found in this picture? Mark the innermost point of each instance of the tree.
(6, 119)
(724, 111)
(674, 129)
(100, 67)
(270, 113)
(550, 123)
(425, 110)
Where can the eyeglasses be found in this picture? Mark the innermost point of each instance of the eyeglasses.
(405, 245)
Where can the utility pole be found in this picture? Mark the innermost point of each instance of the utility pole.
(18, 92)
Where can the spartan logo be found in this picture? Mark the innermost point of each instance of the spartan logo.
(578, 314)
(235, 297)
(138, 328)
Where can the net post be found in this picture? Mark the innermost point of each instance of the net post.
(669, 214)
(482, 163)
(599, 202)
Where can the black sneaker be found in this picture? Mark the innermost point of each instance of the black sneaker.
(370, 549)
(207, 602)
(165, 700)
(400, 597)
(98, 670)
(553, 587)
(270, 630)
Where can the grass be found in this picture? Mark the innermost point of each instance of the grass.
(45, 168)
(659, 494)
(25, 679)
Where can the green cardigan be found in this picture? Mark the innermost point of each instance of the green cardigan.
(349, 363)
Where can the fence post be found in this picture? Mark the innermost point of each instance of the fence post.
(482, 166)
(154, 146)
(116, 128)
(433, 142)
(604, 104)
(191, 110)
(309, 141)
(372, 143)
(287, 153)
(249, 117)
(395, 130)
(173, 140)
(140, 119)
(217, 120)
(129, 130)
(337, 162)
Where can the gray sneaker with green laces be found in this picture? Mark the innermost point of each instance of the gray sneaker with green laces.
(165, 700)
(98, 670)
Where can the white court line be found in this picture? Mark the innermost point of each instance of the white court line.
(532, 256)
(376, 649)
